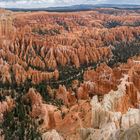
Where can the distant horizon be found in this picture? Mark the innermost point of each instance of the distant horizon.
(25, 4)
(104, 4)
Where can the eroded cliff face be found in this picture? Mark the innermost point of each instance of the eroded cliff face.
(103, 117)
(76, 75)
(116, 111)
(106, 113)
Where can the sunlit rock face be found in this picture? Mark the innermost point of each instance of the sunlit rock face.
(68, 97)
(104, 110)
(113, 114)
(103, 79)
(53, 135)
(44, 112)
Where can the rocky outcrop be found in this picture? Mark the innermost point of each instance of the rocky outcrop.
(110, 103)
(102, 80)
(5, 76)
(38, 76)
(75, 117)
(6, 106)
(6, 27)
(111, 114)
(68, 97)
(128, 134)
(98, 134)
(53, 135)
(44, 112)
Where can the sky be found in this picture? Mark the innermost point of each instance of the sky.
(55, 3)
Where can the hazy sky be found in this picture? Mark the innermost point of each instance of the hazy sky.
(51, 3)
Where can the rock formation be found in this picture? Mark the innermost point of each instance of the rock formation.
(77, 73)
(53, 135)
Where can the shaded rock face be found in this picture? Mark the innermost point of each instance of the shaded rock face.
(124, 134)
(6, 105)
(133, 133)
(94, 134)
